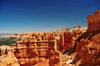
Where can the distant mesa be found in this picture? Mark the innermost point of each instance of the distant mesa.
(56, 33)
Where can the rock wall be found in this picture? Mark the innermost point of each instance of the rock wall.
(88, 46)
(29, 51)
(88, 51)
(67, 39)
(93, 21)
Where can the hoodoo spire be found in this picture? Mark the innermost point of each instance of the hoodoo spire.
(78, 25)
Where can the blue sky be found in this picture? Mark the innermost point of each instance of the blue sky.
(20, 16)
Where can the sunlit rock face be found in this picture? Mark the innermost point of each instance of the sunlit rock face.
(88, 51)
(93, 21)
(88, 45)
(68, 39)
(31, 51)
(7, 58)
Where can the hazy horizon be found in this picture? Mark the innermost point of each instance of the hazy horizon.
(33, 31)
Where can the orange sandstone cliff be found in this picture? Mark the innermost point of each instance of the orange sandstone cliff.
(32, 51)
(88, 46)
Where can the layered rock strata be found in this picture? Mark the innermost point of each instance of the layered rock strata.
(29, 51)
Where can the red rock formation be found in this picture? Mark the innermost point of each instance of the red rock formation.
(93, 21)
(55, 59)
(88, 45)
(36, 47)
(88, 51)
(67, 40)
(61, 43)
